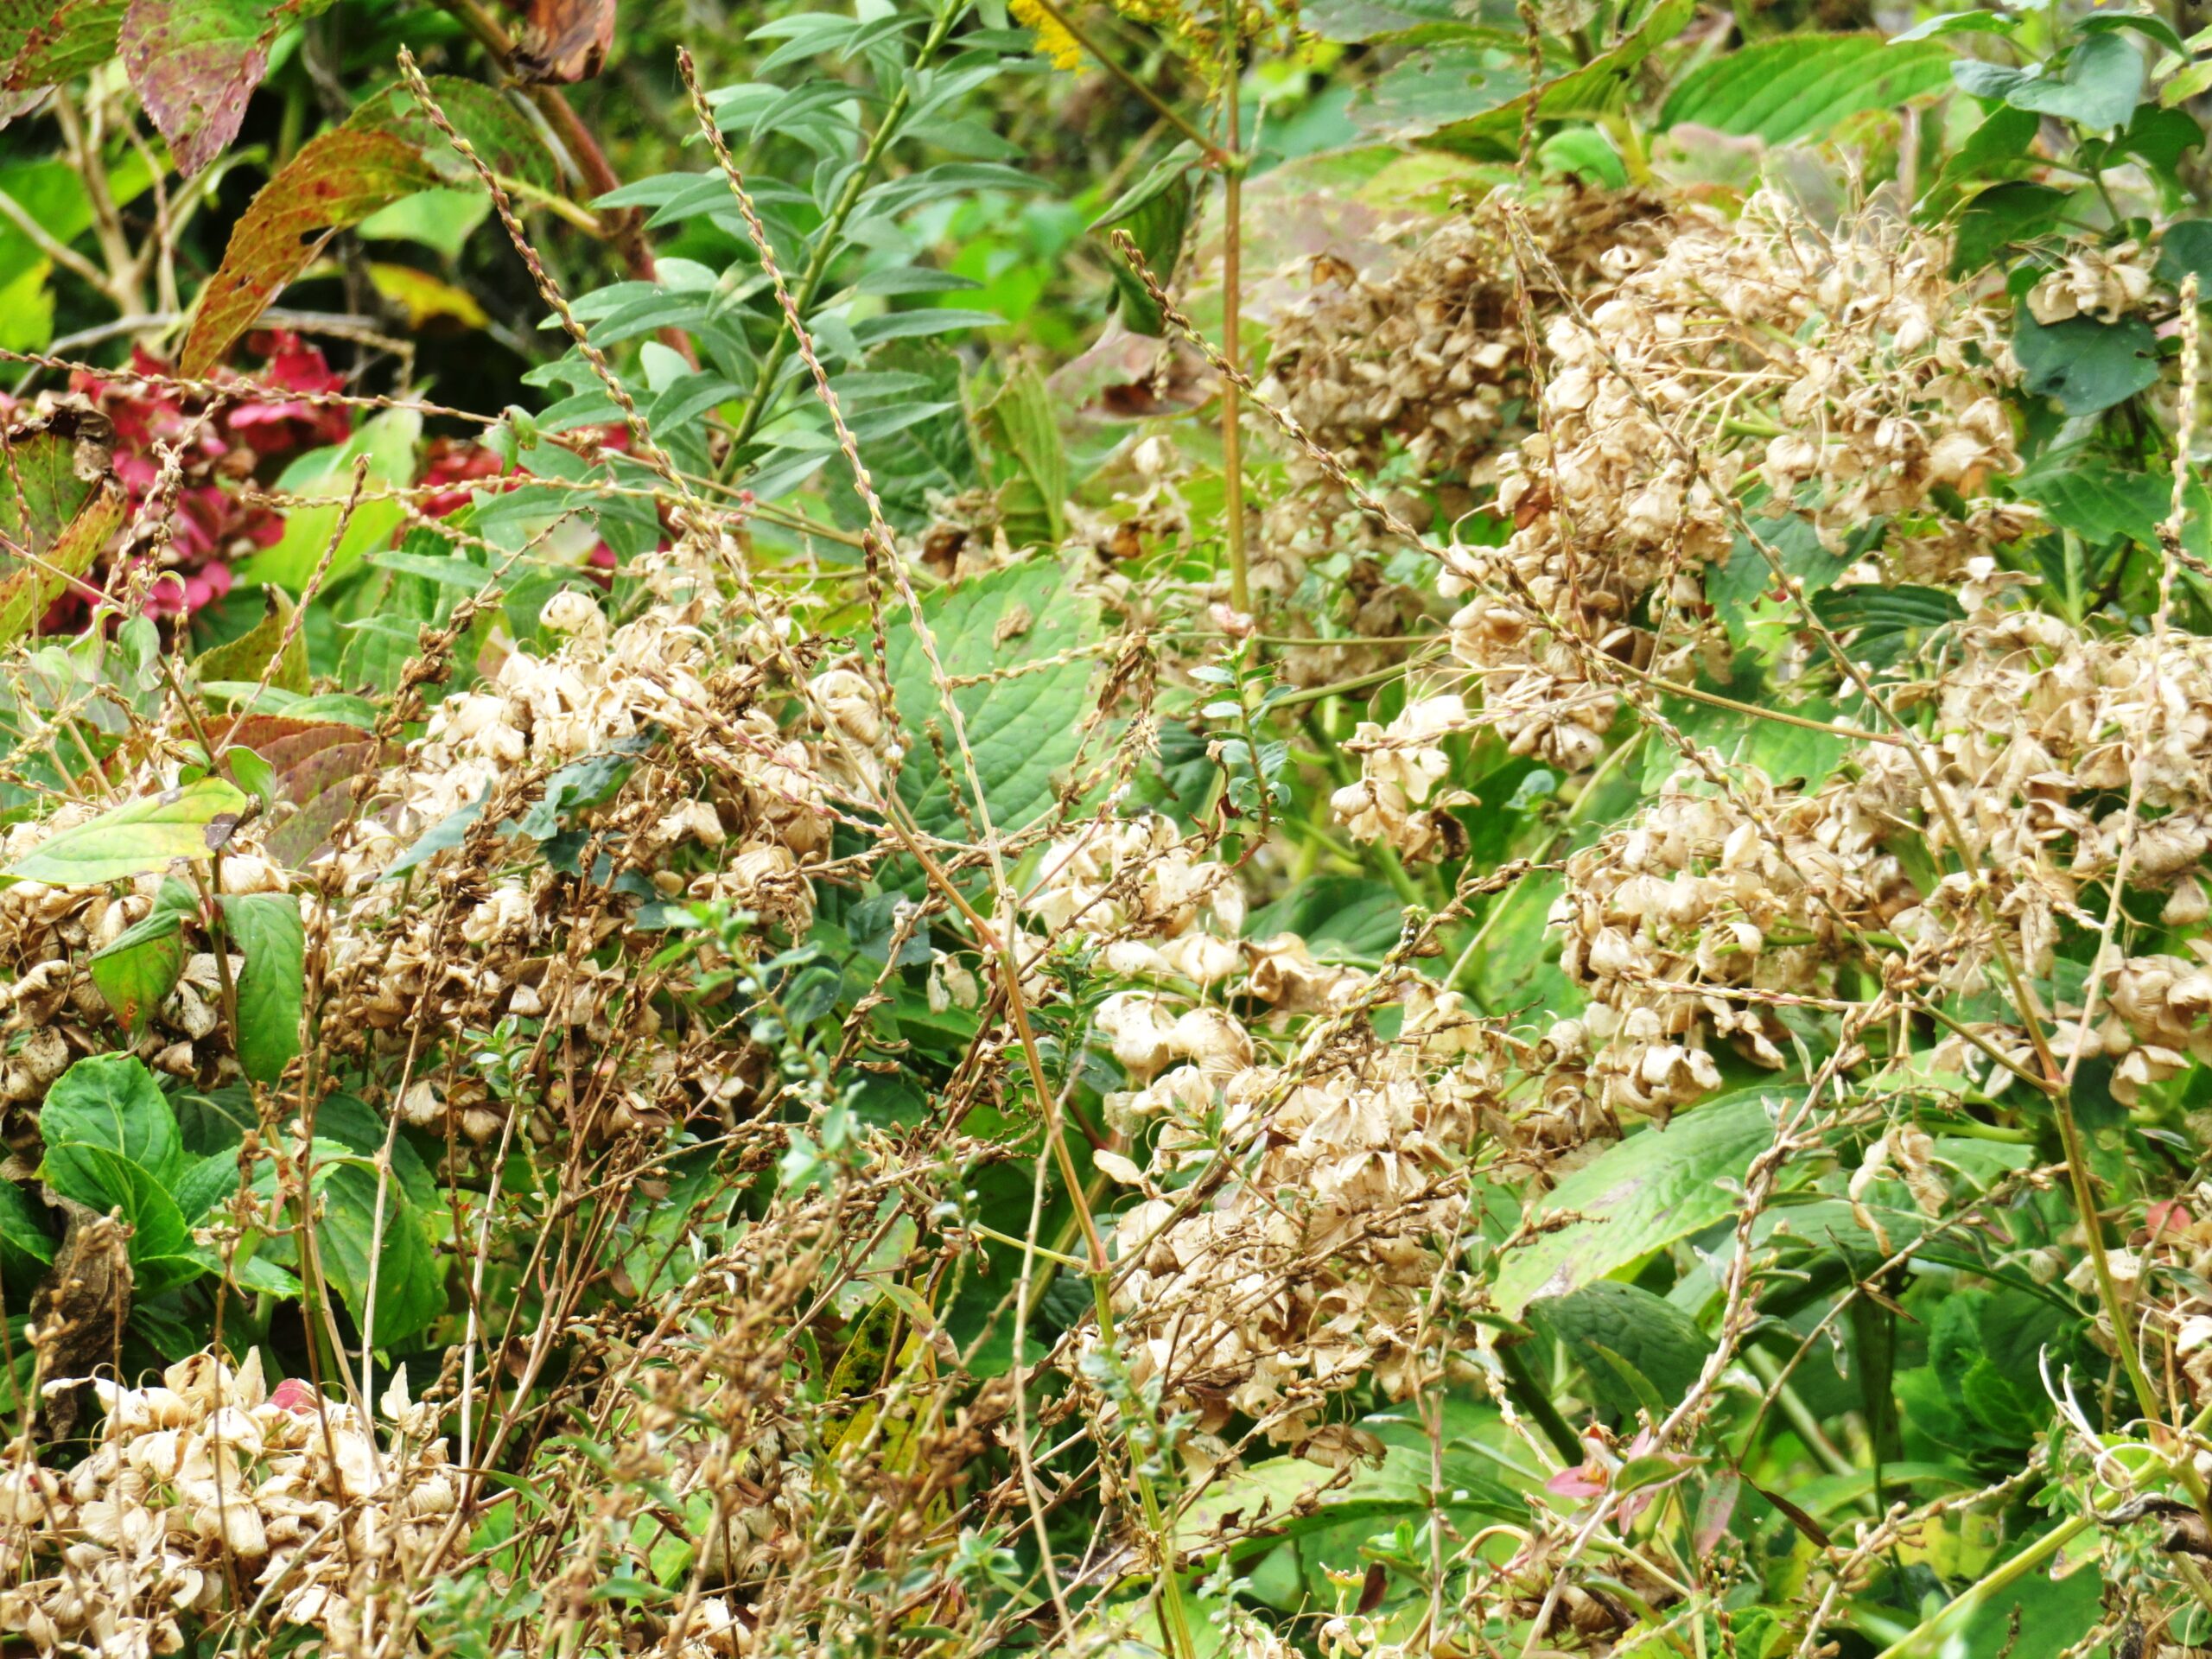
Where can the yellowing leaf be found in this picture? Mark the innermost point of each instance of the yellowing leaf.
(427, 299)
(136, 837)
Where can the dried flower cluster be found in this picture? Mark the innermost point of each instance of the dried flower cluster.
(210, 1490)
(1842, 372)
(1325, 1193)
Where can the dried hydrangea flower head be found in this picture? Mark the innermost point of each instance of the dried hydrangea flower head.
(209, 1480)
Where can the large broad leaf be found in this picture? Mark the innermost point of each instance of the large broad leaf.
(337, 180)
(1596, 88)
(2004, 216)
(1801, 85)
(2099, 502)
(2097, 89)
(1653, 1188)
(195, 62)
(1436, 87)
(354, 1229)
(1023, 719)
(354, 1122)
(353, 1234)
(106, 1182)
(111, 1101)
(387, 442)
(266, 926)
(387, 150)
(2086, 364)
(140, 836)
(1623, 1337)
(1886, 625)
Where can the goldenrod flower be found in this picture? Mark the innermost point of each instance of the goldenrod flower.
(1052, 37)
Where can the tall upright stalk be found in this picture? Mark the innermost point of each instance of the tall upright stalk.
(1232, 252)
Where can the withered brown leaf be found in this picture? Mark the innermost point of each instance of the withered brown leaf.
(78, 1312)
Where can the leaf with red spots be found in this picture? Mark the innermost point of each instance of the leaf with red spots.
(195, 62)
(337, 180)
(45, 41)
(59, 506)
(565, 40)
(386, 151)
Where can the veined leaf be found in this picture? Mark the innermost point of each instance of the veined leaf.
(136, 837)
(266, 926)
(248, 656)
(51, 40)
(111, 1101)
(193, 63)
(2096, 88)
(1799, 84)
(59, 506)
(1020, 423)
(144, 963)
(1647, 1191)
(2086, 364)
(386, 151)
(1022, 722)
(1595, 88)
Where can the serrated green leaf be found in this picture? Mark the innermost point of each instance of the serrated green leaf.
(111, 1101)
(266, 927)
(2097, 87)
(2086, 365)
(352, 1234)
(1886, 625)
(141, 968)
(205, 1183)
(1020, 424)
(60, 504)
(1622, 1335)
(1024, 724)
(1651, 1189)
(2099, 502)
(105, 1181)
(1595, 88)
(2005, 215)
(1801, 85)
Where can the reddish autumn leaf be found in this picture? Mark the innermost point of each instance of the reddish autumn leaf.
(195, 62)
(565, 40)
(386, 150)
(337, 180)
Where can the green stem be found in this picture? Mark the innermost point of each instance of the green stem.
(1232, 280)
(1922, 1638)
(826, 238)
